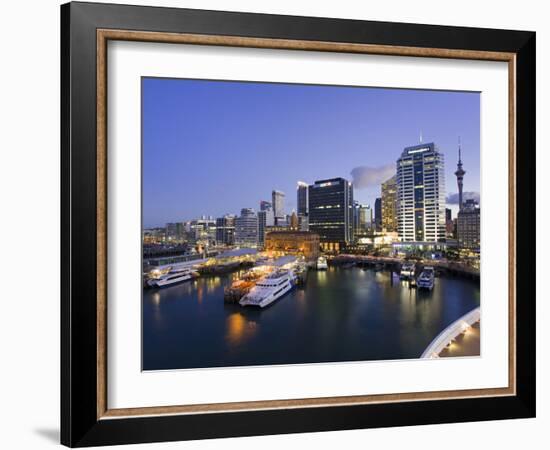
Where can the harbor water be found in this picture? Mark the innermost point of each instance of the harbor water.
(339, 315)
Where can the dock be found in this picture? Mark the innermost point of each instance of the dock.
(239, 288)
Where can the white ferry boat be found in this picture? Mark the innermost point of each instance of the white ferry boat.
(407, 270)
(270, 288)
(322, 263)
(426, 278)
(172, 277)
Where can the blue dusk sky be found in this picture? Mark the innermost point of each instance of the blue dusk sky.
(214, 147)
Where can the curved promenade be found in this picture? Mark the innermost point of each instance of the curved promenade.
(451, 332)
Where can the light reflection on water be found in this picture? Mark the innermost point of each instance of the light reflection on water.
(340, 315)
(239, 329)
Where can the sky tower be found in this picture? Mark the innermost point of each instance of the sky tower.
(459, 176)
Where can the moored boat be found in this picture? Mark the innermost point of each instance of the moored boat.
(426, 279)
(407, 270)
(174, 276)
(270, 288)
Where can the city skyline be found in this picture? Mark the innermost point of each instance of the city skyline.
(270, 136)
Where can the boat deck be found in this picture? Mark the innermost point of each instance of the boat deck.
(465, 344)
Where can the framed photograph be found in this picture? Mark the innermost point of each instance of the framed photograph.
(276, 224)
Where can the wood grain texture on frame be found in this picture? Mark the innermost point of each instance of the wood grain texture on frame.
(101, 223)
(104, 35)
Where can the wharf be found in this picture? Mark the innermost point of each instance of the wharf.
(394, 264)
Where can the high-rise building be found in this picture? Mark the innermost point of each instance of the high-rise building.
(331, 212)
(278, 202)
(421, 194)
(460, 172)
(266, 219)
(301, 200)
(378, 214)
(225, 230)
(246, 228)
(359, 218)
(449, 224)
(265, 205)
(368, 214)
(362, 219)
(468, 225)
(389, 204)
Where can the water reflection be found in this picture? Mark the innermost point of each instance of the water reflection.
(200, 292)
(156, 298)
(340, 315)
(212, 283)
(239, 328)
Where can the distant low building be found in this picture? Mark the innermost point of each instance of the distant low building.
(303, 222)
(154, 236)
(269, 229)
(171, 232)
(293, 222)
(203, 231)
(403, 248)
(266, 219)
(297, 242)
(378, 239)
(246, 228)
(225, 230)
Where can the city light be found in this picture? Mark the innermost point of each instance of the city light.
(268, 249)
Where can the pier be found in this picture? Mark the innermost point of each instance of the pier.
(394, 264)
(239, 288)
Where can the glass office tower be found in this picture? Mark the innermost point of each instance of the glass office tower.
(421, 194)
(331, 212)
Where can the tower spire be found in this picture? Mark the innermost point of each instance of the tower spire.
(460, 172)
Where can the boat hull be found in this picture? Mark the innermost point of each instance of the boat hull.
(166, 283)
(427, 284)
(274, 298)
(269, 300)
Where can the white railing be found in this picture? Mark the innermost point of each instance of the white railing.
(452, 331)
